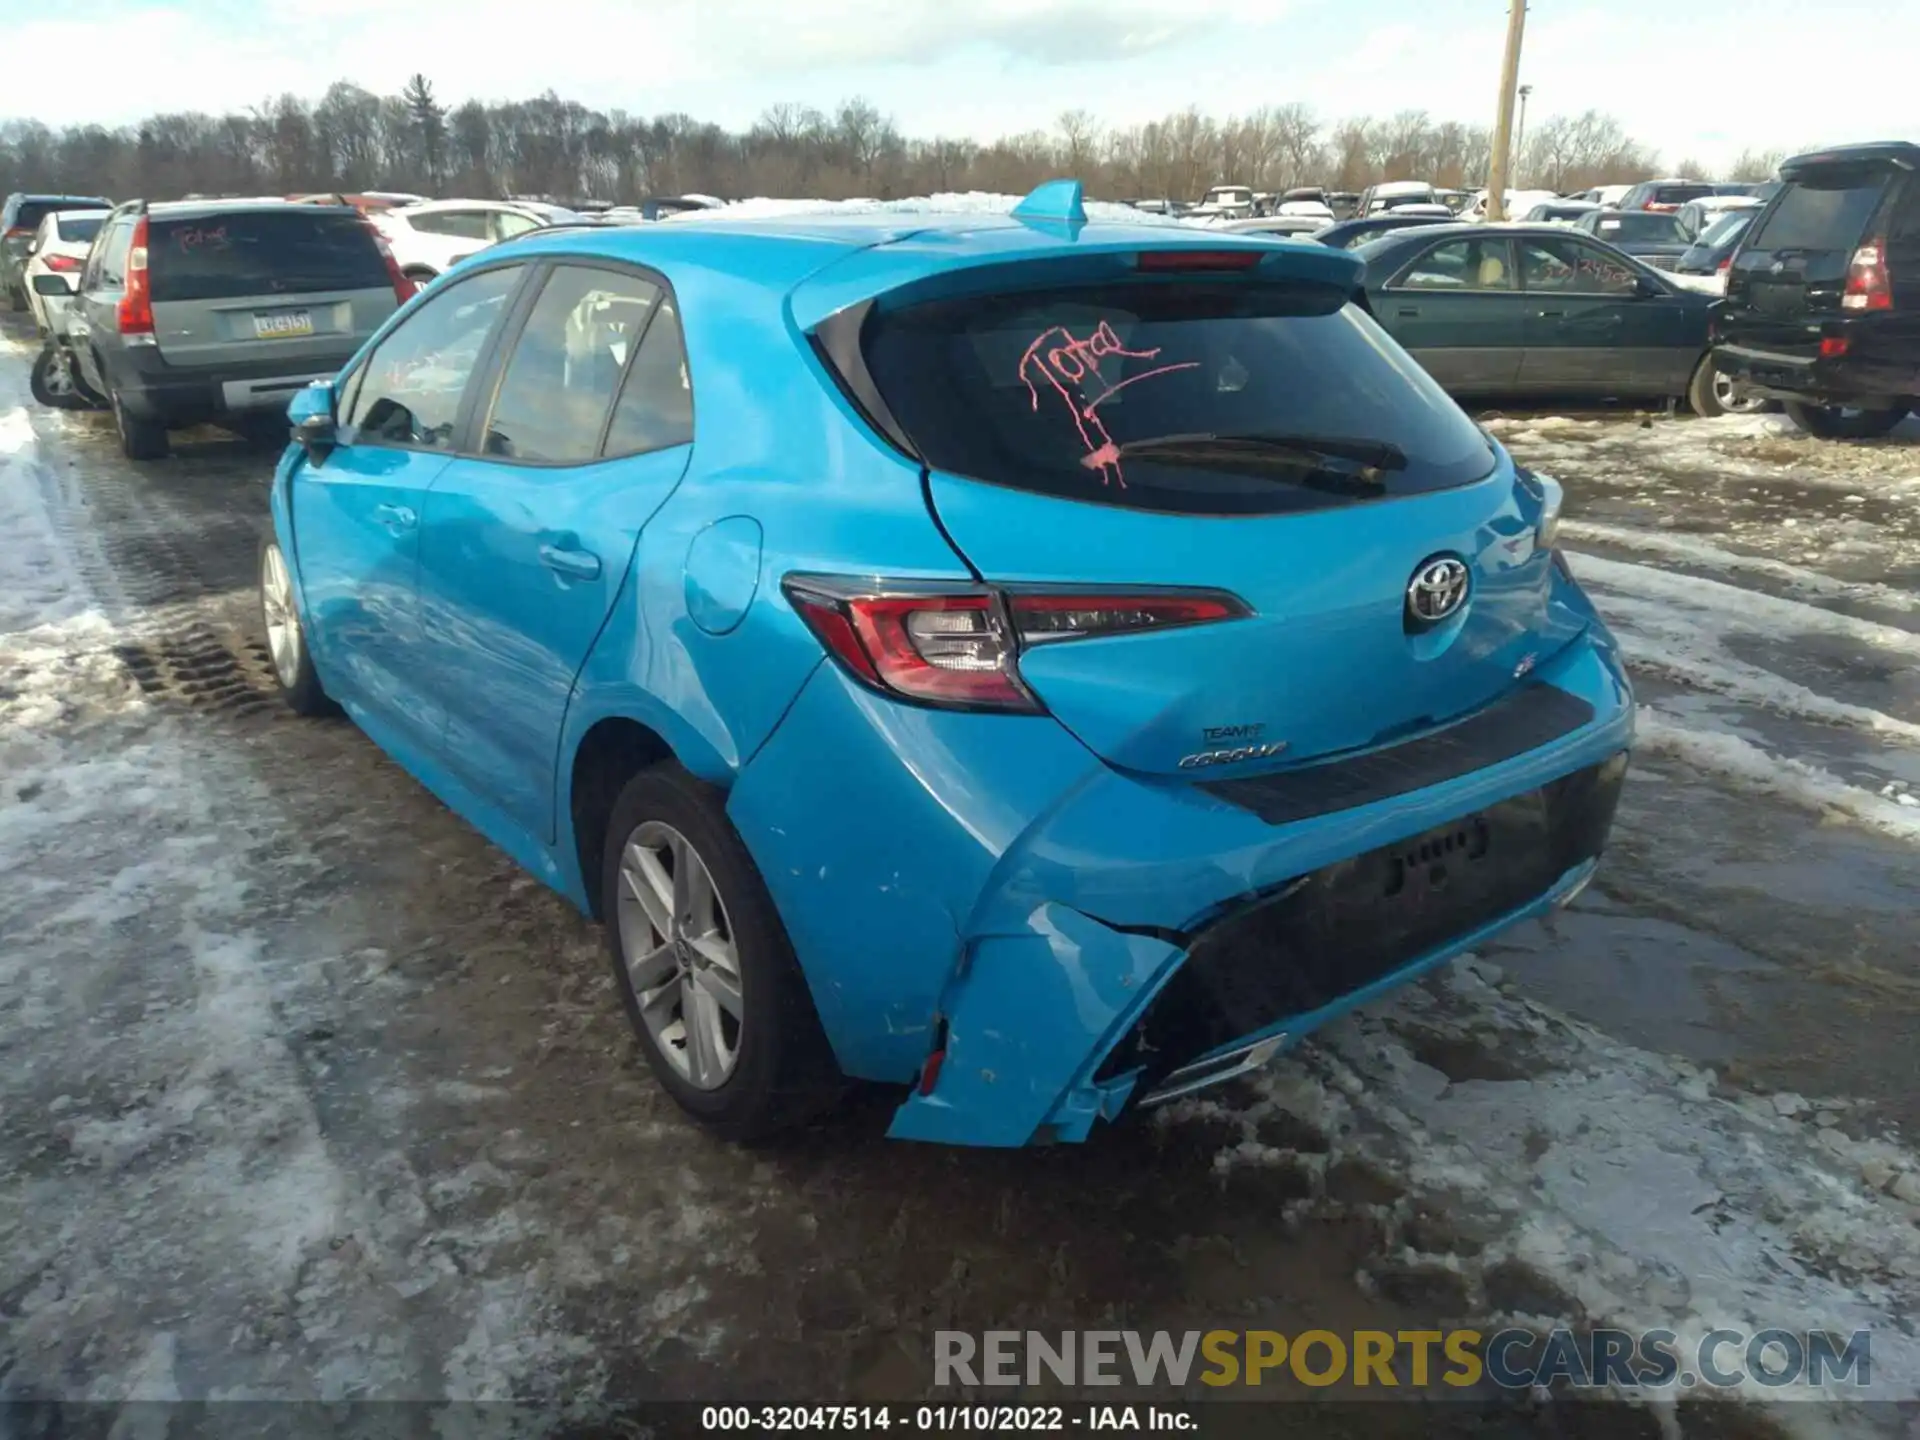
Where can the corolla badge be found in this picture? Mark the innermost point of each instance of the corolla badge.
(1252, 746)
(1437, 589)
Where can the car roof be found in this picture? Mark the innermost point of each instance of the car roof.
(832, 260)
(1902, 153)
(30, 198)
(189, 209)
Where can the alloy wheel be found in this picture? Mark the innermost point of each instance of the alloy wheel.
(283, 625)
(1730, 398)
(680, 955)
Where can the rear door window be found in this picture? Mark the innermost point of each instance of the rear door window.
(655, 409)
(408, 392)
(1821, 212)
(455, 224)
(567, 363)
(1461, 265)
(300, 250)
(1206, 397)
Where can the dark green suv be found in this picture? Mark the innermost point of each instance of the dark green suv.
(1822, 309)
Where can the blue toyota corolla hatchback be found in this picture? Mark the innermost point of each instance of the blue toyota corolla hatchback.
(1049, 666)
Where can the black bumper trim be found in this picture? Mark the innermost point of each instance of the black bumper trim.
(1523, 721)
(1295, 949)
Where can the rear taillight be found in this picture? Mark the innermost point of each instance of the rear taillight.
(136, 300)
(959, 646)
(1868, 287)
(403, 287)
(1832, 347)
(61, 264)
(1724, 266)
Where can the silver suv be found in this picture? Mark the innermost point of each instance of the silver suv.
(221, 310)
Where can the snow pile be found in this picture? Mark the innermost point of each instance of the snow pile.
(1623, 1188)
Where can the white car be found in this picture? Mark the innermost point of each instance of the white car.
(59, 247)
(427, 239)
(1605, 196)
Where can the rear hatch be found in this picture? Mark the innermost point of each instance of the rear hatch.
(1790, 272)
(298, 284)
(1221, 433)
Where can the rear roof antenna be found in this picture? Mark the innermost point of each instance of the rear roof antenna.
(1054, 202)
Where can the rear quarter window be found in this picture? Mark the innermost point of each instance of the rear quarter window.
(297, 251)
(1821, 212)
(1048, 390)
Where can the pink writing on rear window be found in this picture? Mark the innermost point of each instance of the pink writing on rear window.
(1071, 366)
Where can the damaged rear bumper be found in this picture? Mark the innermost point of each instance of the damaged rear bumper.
(1036, 942)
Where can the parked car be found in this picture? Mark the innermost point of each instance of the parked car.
(1284, 225)
(1304, 194)
(1391, 193)
(1822, 307)
(218, 311)
(1345, 204)
(1663, 195)
(1232, 202)
(1559, 212)
(1606, 196)
(58, 247)
(1519, 202)
(1540, 310)
(1345, 234)
(1456, 201)
(427, 239)
(20, 217)
(1692, 218)
(1653, 236)
(1711, 253)
(779, 592)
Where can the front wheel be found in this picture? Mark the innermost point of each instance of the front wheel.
(286, 640)
(1840, 422)
(53, 381)
(703, 963)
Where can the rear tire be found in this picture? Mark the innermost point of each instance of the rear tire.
(1710, 393)
(775, 1070)
(1834, 422)
(139, 439)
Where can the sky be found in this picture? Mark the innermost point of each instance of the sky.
(1696, 79)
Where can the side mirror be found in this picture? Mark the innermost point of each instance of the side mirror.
(1645, 287)
(51, 283)
(310, 413)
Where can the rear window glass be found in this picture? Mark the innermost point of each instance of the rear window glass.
(32, 212)
(1201, 397)
(296, 251)
(1726, 228)
(80, 229)
(1679, 194)
(1635, 225)
(1821, 214)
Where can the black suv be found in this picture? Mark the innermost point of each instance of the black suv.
(1822, 308)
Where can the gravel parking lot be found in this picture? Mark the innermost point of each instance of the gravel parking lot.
(306, 1091)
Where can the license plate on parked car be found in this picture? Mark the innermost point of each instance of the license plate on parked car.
(282, 324)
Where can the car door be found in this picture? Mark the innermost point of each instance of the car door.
(527, 538)
(1599, 324)
(356, 513)
(1457, 309)
(94, 321)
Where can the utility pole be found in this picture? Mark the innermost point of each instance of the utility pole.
(1503, 120)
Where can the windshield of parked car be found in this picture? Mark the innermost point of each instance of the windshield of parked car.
(1822, 211)
(297, 250)
(1637, 226)
(1262, 393)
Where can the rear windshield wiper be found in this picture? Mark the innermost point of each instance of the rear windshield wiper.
(1308, 453)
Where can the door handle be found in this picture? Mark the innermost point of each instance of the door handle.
(1409, 312)
(574, 564)
(395, 517)
(1548, 314)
